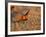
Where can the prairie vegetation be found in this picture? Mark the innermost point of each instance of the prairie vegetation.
(20, 21)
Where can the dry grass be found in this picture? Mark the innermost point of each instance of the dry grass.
(33, 21)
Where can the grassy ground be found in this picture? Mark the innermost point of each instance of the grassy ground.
(33, 21)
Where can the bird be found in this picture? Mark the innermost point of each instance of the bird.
(22, 16)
